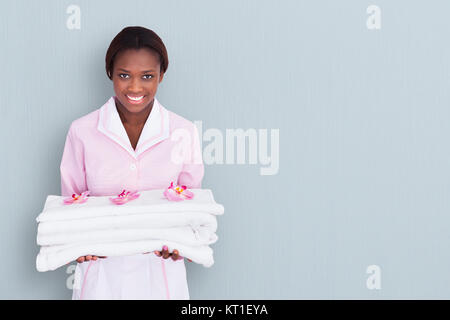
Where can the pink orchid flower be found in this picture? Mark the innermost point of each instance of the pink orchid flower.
(177, 193)
(124, 197)
(77, 198)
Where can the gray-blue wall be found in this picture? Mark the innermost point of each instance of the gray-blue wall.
(363, 119)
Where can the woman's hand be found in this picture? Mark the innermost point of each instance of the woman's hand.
(88, 258)
(175, 255)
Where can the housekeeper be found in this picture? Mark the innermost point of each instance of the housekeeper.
(131, 142)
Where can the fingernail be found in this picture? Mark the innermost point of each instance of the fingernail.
(165, 248)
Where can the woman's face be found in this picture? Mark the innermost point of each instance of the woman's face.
(136, 76)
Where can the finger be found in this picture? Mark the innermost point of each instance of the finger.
(165, 252)
(88, 258)
(158, 253)
(80, 259)
(102, 257)
(94, 258)
(175, 255)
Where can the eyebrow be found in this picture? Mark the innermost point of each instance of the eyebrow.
(142, 71)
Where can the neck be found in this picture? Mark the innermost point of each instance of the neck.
(135, 119)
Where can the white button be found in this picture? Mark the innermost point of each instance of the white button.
(133, 167)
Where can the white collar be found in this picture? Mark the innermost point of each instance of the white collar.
(156, 127)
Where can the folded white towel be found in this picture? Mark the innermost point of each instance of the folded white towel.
(135, 221)
(187, 235)
(151, 201)
(53, 257)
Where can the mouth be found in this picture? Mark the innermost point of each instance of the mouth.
(135, 99)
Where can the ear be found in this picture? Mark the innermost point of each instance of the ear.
(161, 76)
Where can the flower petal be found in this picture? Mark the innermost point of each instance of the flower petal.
(68, 201)
(172, 196)
(188, 194)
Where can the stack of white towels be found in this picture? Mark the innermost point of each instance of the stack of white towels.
(102, 228)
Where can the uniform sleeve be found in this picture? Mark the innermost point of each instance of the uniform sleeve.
(73, 173)
(193, 170)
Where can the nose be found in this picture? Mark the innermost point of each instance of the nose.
(135, 86)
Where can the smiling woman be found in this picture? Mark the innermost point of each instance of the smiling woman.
(126, 144)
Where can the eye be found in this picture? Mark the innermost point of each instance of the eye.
(123, 74)
(148, 75)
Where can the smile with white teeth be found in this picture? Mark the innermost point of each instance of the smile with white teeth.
(134, 98)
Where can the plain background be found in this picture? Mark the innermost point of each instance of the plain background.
(363, 117)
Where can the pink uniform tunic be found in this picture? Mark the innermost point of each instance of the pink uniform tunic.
(98, 157)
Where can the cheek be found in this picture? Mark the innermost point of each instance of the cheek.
(117, 87)
(149, 89)
(153, 87)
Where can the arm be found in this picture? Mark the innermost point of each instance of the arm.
(73, 173)
(193, 170)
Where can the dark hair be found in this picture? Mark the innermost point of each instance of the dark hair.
(136, 38)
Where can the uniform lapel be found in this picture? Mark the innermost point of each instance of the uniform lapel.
(156, 127)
